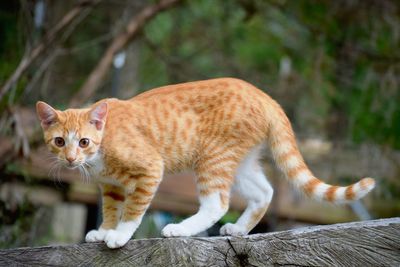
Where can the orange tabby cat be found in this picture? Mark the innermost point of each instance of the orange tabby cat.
(215, 127)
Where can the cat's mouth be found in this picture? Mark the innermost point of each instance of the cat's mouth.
(81, 166)
(71, 165)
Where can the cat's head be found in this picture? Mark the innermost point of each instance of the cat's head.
(73, 135)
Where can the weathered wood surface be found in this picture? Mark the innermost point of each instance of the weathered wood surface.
(370, 243)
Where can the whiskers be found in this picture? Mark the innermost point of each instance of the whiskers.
(55, 169)
(84, 171)
(57, 164)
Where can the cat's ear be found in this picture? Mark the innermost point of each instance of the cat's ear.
(46, 114)
(98, 115)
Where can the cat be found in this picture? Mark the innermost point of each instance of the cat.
(215, 127)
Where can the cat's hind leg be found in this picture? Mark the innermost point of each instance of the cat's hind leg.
(210, 211)
(214, 181)
(252, 184)
(112, 200)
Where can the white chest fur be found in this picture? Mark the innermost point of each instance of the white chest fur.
(96, 165)
(97, 171)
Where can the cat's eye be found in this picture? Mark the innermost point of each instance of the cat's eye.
(84, 142)
(59, 141)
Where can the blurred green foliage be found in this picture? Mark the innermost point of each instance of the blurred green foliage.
(333, 65)
(345, 62)
(11, 47)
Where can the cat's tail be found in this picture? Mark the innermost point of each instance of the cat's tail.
(283, 145)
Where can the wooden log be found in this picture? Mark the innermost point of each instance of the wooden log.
(368, 243)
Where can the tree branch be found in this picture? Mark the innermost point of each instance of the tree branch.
(134, 26)
(46, 41)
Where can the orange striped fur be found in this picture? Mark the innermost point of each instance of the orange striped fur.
(208, 126)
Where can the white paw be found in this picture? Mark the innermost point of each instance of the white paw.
(233, 229)
(116, 239)
(96, 235)
(121, 235)
(174, 230)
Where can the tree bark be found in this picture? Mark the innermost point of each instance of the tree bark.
(134, 26)
(368, 243)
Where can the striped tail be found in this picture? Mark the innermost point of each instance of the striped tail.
(287, 156)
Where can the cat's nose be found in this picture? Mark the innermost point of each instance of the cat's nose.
(70, 159)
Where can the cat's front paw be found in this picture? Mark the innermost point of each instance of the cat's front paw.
(96, 235)
(120, 236)
(172, 230)
(116, 239)
(233, 229)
